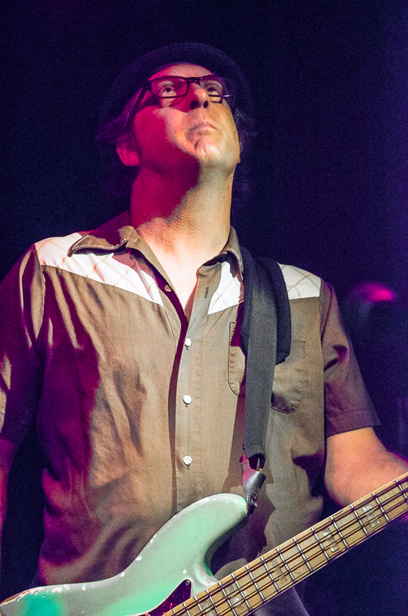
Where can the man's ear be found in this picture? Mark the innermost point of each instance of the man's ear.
(127, 152)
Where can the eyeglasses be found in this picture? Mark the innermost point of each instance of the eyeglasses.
(172, 86)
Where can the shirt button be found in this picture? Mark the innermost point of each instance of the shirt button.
(187, 343)
(187, 399)
(187, 460)
(168, 288)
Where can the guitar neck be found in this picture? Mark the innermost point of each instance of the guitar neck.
(271, 574)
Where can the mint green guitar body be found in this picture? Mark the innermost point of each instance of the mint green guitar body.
(173, 566)
(170, 568)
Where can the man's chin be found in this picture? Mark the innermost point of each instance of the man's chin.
(208, 153)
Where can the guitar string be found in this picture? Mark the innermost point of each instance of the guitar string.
(282, 581)
(239, 591)
(274, 556)
(297, 557)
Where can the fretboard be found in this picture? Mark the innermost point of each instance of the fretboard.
(276, 571)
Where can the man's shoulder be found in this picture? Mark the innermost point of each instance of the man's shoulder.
(53, 251)
(300, 284)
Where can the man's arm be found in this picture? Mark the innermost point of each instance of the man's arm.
(358, 463)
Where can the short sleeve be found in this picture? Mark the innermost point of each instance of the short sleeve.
(21, 301)
(347, 403)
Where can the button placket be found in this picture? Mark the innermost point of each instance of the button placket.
(190, 386)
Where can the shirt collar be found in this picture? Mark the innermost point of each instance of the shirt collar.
(231, 252)
(110, 236)
(119, 232)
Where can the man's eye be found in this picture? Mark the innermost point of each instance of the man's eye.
(166, 89)
(214, 88)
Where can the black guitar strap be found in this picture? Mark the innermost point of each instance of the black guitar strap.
(265, 337)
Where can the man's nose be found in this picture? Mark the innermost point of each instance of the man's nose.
(198, 96)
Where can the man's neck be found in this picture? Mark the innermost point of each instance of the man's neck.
(182, 215)
(185, 225)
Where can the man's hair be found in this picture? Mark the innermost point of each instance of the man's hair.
(116, 119)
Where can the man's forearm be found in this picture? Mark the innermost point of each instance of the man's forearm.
(357, 463)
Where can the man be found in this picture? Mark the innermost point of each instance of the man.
(123, 346)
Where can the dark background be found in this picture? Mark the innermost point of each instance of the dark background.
(330, 182)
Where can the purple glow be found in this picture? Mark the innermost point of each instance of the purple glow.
(374, 292)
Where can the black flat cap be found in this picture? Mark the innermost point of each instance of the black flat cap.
(133, 77)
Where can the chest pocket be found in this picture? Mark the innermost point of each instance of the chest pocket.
(289, 376)
(289, 380)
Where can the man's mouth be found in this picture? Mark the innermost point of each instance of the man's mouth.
(202, 125)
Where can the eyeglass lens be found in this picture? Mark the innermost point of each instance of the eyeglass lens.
(174, 86)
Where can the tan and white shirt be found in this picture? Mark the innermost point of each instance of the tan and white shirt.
(140, 412)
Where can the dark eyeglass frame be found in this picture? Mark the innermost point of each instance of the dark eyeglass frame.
(227, 84)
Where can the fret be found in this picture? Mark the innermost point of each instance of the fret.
(251, 583)
(311, 549)
(390, 499)
(270, 575)
(242, 594)
(286, 566)
(331, 541)
(196, 608)
(320, 544)
(327, 540)
(258, 590)
(280, 573)
(305, 560)
(293, 560)
(346, 545)
(182, 608)
(394, 500)
(381, 508)
(237, 596)
(226, 593)
(371, 515)
(228, 601)
(207, 602)
(177, 611)
(363, 528)
(261, 574)
(404, 494)
(218, 595)
(211, 600)
(352, 526)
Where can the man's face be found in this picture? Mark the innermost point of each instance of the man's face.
(171, 133)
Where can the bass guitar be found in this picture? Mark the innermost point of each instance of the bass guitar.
(171, 576)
